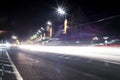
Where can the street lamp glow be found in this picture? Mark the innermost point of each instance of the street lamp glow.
(49, 23)
(14, 37)
(39, 31)
(61, 11)
(42, 28)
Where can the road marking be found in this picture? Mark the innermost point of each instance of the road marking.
(33, 60)
(17, 74)
(6, 65)
(11, 72)
(4, 61)
(67, 57)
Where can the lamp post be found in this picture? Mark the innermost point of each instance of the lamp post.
(16, 39)
(61, 11)
(50, 28)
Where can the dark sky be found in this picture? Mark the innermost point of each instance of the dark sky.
(24, 17)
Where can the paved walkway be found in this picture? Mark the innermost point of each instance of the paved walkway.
(8, 70)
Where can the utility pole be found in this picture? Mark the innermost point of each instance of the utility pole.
(65, 26)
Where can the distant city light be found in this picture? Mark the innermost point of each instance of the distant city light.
(1, 32)
(34, 36)
(105, 38)
(95, 38)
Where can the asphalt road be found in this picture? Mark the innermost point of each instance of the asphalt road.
(49, 66)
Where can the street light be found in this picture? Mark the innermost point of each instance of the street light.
(61, 11)
(43, 28)
(49, 23)
(106, 40)
(14, 37)
(49, 28)
(39, 31)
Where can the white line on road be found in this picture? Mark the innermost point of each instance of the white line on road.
(11, 72)
(17, 74)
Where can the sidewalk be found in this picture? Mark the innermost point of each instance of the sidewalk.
(6, 68)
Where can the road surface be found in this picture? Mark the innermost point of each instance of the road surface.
(33, 65)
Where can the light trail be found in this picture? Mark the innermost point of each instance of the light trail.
(108, 54)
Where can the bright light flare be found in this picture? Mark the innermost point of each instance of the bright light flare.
(109, 54)
(61, 11)
(7, 45)
(49, 23)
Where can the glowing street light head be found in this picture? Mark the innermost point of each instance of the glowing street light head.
(39, 31)
(49, 23)
(61, 11)
(14, 37)
(42, 28)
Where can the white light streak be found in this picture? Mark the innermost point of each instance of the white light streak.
(100, 53)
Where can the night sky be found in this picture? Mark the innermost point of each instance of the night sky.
(24, 17)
